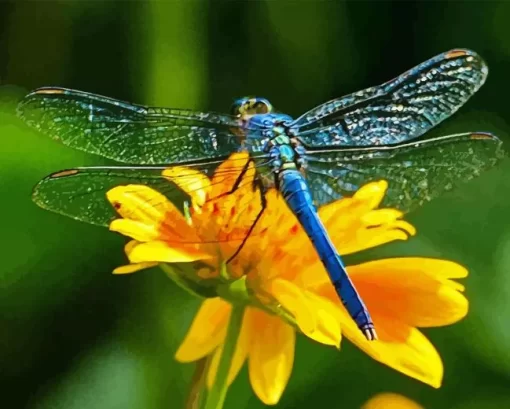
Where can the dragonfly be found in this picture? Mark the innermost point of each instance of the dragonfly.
(319, 157)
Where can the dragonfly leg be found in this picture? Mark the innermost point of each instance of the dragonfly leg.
(241, 175)
(263, 203)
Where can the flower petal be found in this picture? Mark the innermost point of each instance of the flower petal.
(328, 329)
(366, 198)
(366, 237)
(133, 268)
(401, 294)
(293, 299)
(316, 278)
(228, 172)
(372, 193)
(390, 401)
(415, 290)
(271, 357)
(161, 252)
(381, 216)
(399, 346)
(137, 230)
(355, 223)
(358, 226)
(143, 204)
(206, 332)
(193, 182)
(240, 353)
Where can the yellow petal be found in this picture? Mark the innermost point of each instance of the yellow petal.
(328, 331)
(293, 299)
(390, 401)
(161, 252)
(240, 353)
(138, 202)
(227, 221)
(228, 172)
(130, 245)
(134, 229)
(400, 346)
(206, 332)
(366, 238)
(315, 277)
(278, 263)
(355, 225)
(143, 204)
(366, 198)
(271, 357)
(346, 211)
(341, 213)
(372, 193)
(381, 216)
(403, 225)
(132, 268)
(415, 290)
(193, 182)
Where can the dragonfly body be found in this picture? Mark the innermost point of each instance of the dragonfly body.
(327, 153)
(297, 194)
(287, 163)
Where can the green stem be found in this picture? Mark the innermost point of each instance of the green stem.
(218, 392)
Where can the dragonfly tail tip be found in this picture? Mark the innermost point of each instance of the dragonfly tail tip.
(370, 333)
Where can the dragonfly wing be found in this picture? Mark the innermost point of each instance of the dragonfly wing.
(129, 133)
(399, 110)
(80, 193)
(416, 171)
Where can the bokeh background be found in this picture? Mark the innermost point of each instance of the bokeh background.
(73, 336)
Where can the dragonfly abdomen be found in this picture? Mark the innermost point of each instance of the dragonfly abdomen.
(298, 197)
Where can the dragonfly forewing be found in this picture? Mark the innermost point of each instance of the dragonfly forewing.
(398, 110)
(130, 133)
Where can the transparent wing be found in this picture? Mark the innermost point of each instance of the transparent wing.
(130, 133)
(416, 171)
(398, 110)
(80, 193)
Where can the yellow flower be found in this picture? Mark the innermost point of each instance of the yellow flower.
(390, 401)
(278, 275)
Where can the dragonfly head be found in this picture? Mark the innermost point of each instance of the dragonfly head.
(248, 106)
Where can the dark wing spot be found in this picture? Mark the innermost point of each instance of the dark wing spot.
(64, 173)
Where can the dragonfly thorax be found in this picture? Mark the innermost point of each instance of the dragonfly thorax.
(260, 129)
(284, 148)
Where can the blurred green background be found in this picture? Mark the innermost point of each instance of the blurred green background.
(73, 336)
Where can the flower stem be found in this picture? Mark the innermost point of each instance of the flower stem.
(218, 392)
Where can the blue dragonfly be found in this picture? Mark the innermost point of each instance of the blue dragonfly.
(323, 155)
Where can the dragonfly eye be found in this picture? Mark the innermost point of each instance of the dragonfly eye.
(248, 106)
